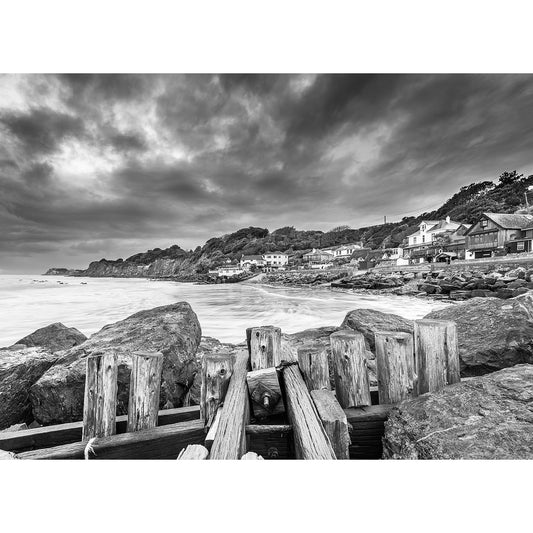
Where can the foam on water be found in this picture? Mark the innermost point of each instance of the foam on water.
(224, 311)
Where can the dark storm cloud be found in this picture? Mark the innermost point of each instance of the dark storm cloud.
(41, 131)
(115, 164)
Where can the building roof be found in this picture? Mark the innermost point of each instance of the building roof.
(252, 258)
(275, 253)
(510, 220)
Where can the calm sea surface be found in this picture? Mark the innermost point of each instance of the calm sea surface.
(224, 311)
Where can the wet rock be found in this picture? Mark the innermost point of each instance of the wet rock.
(20, 368)
(172, 329)
(487, 417)
(368, 321)
(493, 333)
(55, 337)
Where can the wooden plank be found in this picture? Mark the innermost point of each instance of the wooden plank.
(100, 399)
(193, 452)
(268, 429)
(265, 347)
(314, 367)
(145, 388)
(216, 375)
(265, 392)
(165, 442)
(352, 386)
(370, 413)
(395, 366)
(310, 439)
(230, 438)
(49, 436)
(334, 420)
(211, 434)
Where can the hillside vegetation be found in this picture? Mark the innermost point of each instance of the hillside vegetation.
(504, 196)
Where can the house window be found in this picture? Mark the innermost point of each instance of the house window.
(484, 223)
(423, 238)
(520, 246)
(414, 240)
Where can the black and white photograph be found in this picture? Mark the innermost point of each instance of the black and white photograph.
(270, 265)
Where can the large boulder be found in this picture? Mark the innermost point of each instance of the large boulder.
(493, 333)
(172, 329)
(20, 368)
(368, 321)
(55, 337)
(488, 417)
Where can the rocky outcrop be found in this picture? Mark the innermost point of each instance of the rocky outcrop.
(173, 330)
(489, 417)
(55, 337)
(297, 277)
(20, 368)
(368, 321)
(493, 333)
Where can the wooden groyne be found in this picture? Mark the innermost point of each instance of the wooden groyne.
(253, 404)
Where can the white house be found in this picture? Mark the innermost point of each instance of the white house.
(346, 250)
(227, 271)
(430, 229)
(275, 260)
(247, 261)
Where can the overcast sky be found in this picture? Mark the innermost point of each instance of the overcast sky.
(96, 166)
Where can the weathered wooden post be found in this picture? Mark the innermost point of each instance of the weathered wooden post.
(216, 374)
(251, 456)
(314, 367)
(229, 441)
(145, 387)
(334, 420)
(100, 401)
(265, 347)
(436, 354)
(310, 438)
(351, 375)
(395, 362)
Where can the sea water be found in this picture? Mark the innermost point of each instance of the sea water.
(224, 311)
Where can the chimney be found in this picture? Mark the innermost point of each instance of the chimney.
(447, 220)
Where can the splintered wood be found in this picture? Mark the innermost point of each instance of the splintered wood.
(99, 405)
(230, 438)
(265, 392)
(310, 439)
(395, 366)
(265, 347)
(145, 387)
(314, 367)
(216, 374)
(351, 375)
(193, 452)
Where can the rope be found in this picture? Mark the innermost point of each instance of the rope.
(89, 448)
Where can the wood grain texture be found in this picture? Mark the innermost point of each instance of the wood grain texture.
(193, 452)
(216, 375)
(310, 439)
(352, 386)
(49, 436)
(211, 434)
(265, 347)
(100, 400)
(268, 429)
(145, 387)
(314, 367)
(431, 354)
(395, 366)
(230, 438)
(165, 442)
(334, 420)
(265, 392)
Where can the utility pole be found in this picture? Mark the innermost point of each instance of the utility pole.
(385, 219)
(525, 196)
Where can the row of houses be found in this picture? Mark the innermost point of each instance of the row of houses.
(446, 240)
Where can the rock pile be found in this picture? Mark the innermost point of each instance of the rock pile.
(296, 277)
(375, 280)
(502, 283)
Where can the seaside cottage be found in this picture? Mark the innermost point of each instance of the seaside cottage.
(318, 257)
(497, 233)
(275, 261)
(247, 261)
